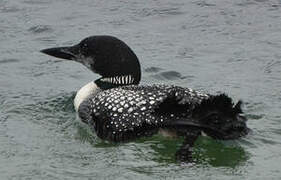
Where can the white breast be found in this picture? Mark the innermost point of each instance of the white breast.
(86, 91)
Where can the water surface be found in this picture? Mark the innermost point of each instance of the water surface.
(213, 46)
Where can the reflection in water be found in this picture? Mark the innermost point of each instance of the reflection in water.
(218, 154)
(206, 150)
(164, 148)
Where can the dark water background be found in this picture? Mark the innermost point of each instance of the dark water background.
(213, 45)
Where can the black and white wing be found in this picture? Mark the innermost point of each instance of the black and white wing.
(129, 112)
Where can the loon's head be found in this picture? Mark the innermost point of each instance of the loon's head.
(105, 55)
(220, 118)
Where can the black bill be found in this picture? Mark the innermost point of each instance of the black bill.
(69, 53)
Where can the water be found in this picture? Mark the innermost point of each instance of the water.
(213, 46)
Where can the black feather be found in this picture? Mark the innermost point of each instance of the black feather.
(221, 103)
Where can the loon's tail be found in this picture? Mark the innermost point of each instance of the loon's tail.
(217, 116)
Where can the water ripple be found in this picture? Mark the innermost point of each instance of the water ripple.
(10, 9)
(145, 12)
(169, 75)
(204, 4)
(272, 65)
(8, 61)
(40, 29)
(153, 69)
(36, 2)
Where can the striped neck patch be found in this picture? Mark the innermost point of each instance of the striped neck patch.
(119, 80)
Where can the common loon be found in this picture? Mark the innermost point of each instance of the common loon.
(120, 110)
